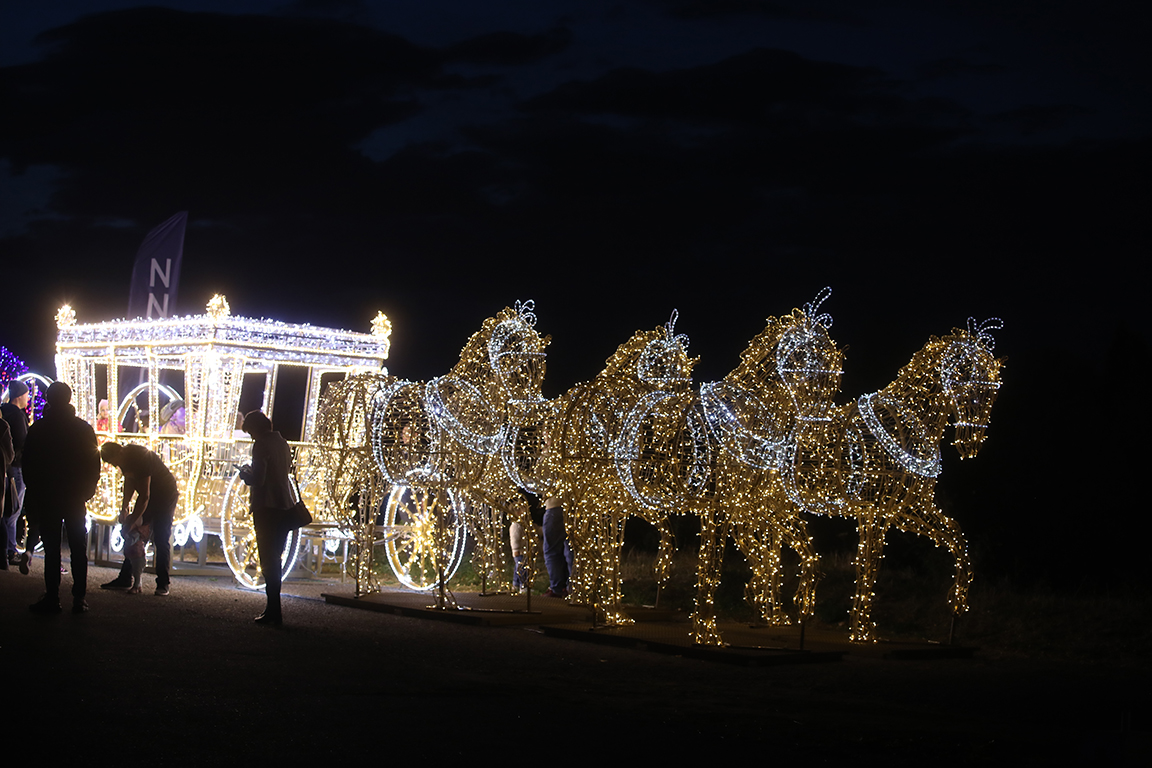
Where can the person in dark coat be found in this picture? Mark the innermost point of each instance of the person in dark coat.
(61, 471)
(13, 412)
(270, 496)
(7, 454)
(157, 495)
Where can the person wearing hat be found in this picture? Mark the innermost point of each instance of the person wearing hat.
(61, 471)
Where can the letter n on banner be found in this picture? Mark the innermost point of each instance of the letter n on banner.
(156, 274)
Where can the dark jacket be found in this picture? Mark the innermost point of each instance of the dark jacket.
(61, 460)
(267, 477)
(6, 448)
(18, 423)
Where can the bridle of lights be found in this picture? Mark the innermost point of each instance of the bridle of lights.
(979, 339)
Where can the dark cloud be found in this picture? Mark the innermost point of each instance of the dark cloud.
(345, 10)
(233, 111)
(953, 66)
(779, 172)
(1033, 119)
(774, 93)
(776, 9)
(509, 48)
(744, 87)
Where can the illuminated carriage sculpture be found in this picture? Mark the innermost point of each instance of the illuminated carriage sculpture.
(214, 354)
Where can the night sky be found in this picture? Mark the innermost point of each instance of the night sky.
(615, 160)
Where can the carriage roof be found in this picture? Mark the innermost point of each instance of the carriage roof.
(169, 340)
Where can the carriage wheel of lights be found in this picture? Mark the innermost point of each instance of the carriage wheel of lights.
(876, 459)
(238, 537)
(423, 534)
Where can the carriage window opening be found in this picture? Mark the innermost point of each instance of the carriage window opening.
(288, 408)
(251, 394)
(130, 403)
(100, 379)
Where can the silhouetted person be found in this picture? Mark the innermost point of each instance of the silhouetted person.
(7, 454)
(270, 495)
(156, 497)
(13, 413)
(61, 471)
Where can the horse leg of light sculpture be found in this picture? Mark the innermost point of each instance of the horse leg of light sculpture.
(607, 590)
(618, 616)
(580, 528)
(871, 527)
(713, 533)
(760, 544)
(768, 570)
(929, 521)
(663, 569)
(801, 543)
(530, 545)
(484, 518)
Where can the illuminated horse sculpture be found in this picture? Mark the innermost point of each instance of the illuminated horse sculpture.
(785, 381)
(592, 476)
(877, 458)
(515, 372)
(719, 456)
(436, 442)
(638, 442)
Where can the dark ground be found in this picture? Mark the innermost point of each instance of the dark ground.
(190, 679)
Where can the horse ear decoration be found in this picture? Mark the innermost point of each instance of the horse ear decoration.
(982, 332)
(811, 308)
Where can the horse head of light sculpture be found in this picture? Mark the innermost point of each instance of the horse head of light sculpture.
(970, 378)
(516, 351)
(808, 361)
(664, 362)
